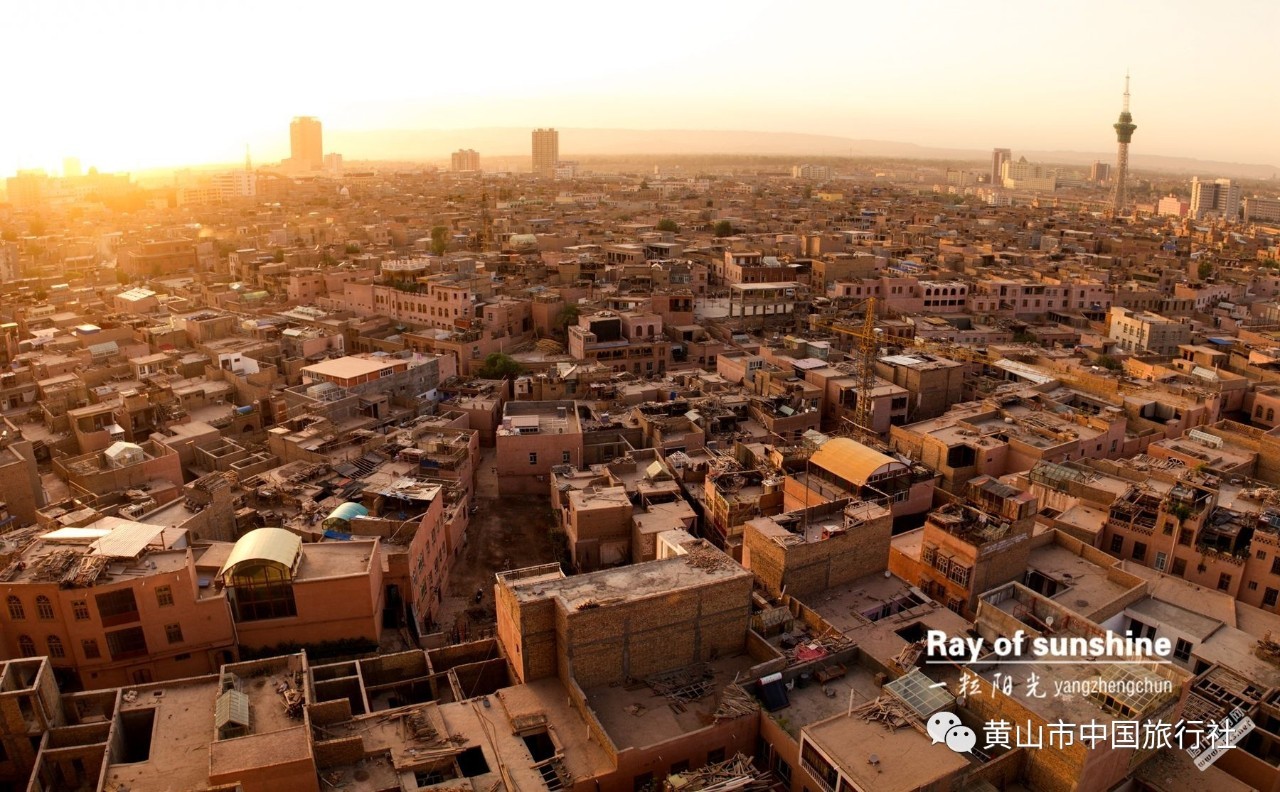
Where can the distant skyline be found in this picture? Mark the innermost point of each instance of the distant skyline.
(136, 85)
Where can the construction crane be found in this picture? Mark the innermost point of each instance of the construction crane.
(866, 345)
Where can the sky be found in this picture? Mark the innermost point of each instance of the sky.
(128, 85)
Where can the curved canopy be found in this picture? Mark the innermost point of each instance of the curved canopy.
(275, 545)
(852, 461)
(344, 514)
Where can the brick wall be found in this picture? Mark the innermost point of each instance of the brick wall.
(646, 636)
(808, 569)
(342, 751)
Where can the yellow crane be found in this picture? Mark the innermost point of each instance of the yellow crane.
(866, 345)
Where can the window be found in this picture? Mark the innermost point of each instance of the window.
(55, 647)
(1253, 585)
(26, 646)
(1269, 597)
(1139, 551)
(126, 643)
(1182, 650)
(44, 608)
(90, 647)
(533, 458)
(819, 766)
(1275, 568)
(15, 609)
(1224, 582)
(564, 457)
(80, 609)
(1161, 560)
(173, 632)
(715, 756)
(117, 607)
(1261, 555)
(1117, 544)
(783, 770)
(262, 591)
(164, 596)
(1179, 566)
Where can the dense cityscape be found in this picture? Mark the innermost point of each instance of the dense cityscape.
(640, 473)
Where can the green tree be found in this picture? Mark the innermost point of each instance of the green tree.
(566, 316)
(1205, 269)
(499, 366)
(278, 255)
(667, 224)
(352, 249)
(724, 228)
(439, 240)
(1109, 363)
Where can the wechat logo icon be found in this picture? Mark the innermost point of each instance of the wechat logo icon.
(945, 727)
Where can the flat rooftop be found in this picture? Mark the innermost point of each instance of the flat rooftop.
(1088, 586)
(908, 759)
(634, 716)
(334, 559)
(635, 582)
(858, 611)
(180, 737)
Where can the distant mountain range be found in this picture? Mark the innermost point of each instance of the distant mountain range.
(508, 142)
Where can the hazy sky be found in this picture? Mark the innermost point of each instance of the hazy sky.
(128, 85)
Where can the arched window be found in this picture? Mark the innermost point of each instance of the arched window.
(15, 608)
(55, 647)
(44, 608)
(26, 646)
(1271, 414)
(262, 590)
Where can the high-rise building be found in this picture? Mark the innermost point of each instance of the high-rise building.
(1124, 128)
(305, 146)
(1099, 172)
(1220, 197)
(546, 152)
(469, 159)
(998, 158)
(1264, 209)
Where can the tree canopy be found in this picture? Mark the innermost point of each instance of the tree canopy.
(566, 316)
(724, 228)
(439, 240)
(499, 366)
(667, 224)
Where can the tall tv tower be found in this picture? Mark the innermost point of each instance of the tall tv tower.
(1124, 133)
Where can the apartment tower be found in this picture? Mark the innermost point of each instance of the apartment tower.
(546, 152)
(305, 146)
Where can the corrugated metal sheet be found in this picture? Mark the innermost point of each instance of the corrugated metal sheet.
(126, 540)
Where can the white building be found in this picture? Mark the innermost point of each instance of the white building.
(1220, 198)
